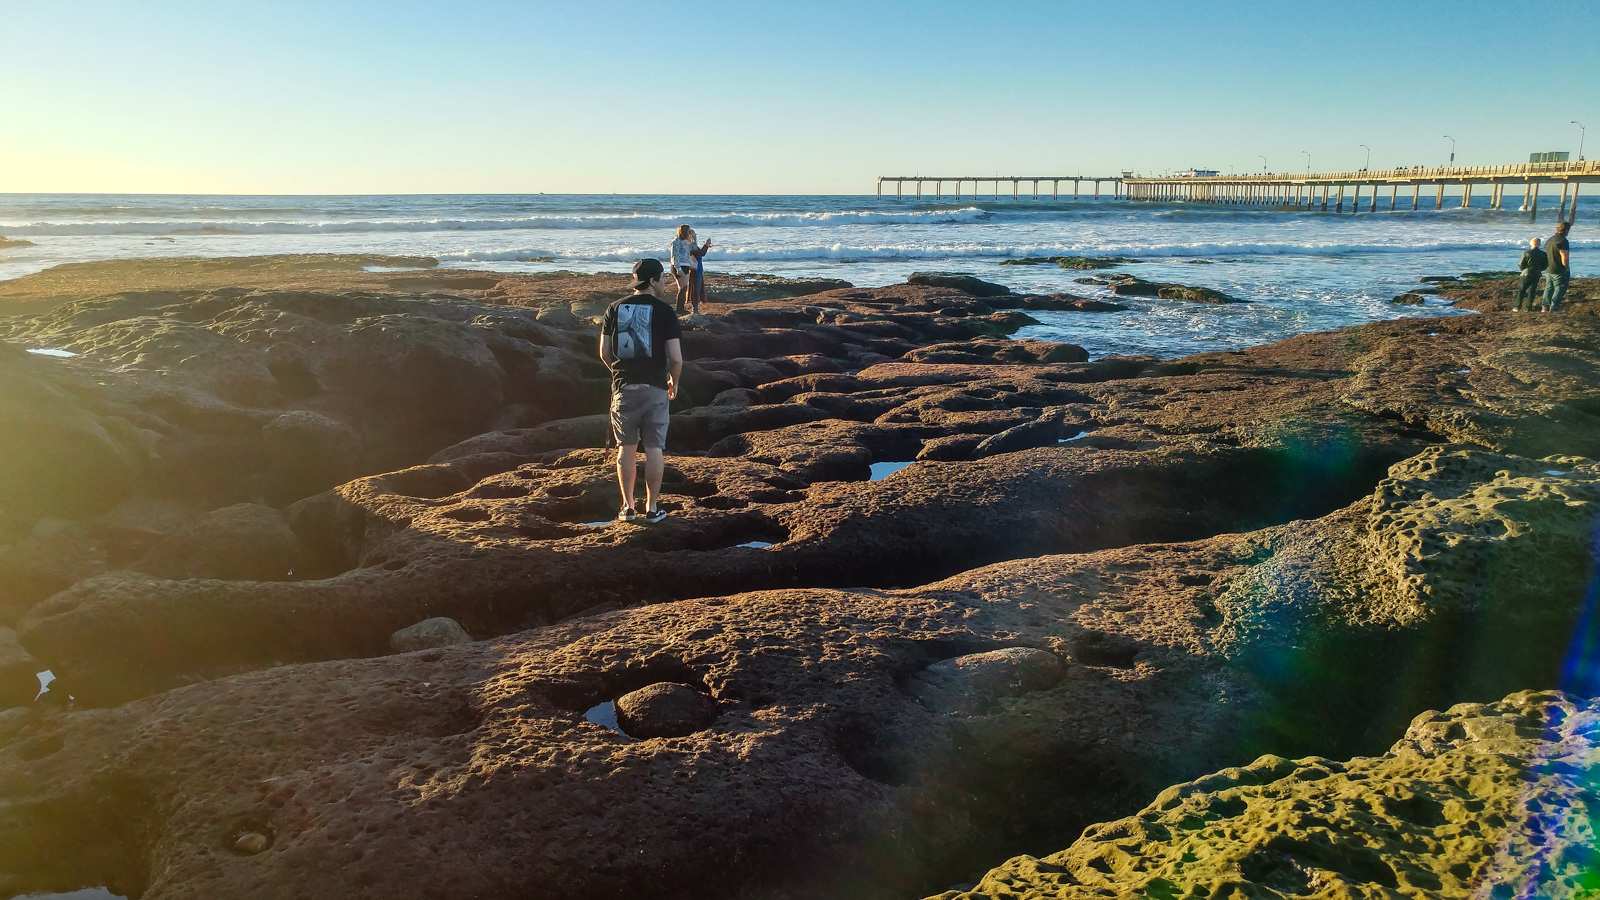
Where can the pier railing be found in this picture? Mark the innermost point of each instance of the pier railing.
(1587, 170)
(1298, 190)
(918, 182)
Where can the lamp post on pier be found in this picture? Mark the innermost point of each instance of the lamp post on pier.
(1307, 154)
(1263, 162)
(1452, 148)
(1368, 163)
(1581, 132)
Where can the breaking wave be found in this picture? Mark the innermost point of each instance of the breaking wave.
(846, 252)
(631, 220)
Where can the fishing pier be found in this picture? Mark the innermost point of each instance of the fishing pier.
(1326, 191)
(1015, 181)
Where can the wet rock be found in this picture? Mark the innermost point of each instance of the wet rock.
(243, 541)
(18, 670)
(1069, 303)
(251, 842)
(1409, 298)
(1193, 294)
(984, 351)
(971, 284)
(664, 709)
(1070, 262)
(429, 634)
(1478, 794)
(975, 682)
(1124, 285)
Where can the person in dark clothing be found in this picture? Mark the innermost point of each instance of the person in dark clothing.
(1532, 266)
(1560, 267)
(641, 343)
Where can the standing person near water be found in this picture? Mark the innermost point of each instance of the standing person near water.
(1560, 271)
(1533, 264)
(687, 269)
(641, 344)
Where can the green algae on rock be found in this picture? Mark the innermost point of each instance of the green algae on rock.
(1479, 800)
(1071, 262)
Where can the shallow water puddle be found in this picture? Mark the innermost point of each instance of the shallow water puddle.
(55, 352)
(882, 470)
(394, 268)
(755, 545)
(1077, 437)
(94, 893)
(605, 714)
(1556, 472)
(45, 679)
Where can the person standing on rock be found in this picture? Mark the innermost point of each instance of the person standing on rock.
(641, 343)
(1560, 270)
(688, 269)
(1533, 264)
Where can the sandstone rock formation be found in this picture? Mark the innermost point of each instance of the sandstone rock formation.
(1483, 799)
(1084, 581)
(1124, 285)
(971, 284)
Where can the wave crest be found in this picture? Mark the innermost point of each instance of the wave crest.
(631, 220)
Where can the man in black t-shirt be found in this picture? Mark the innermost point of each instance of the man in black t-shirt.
(641, 343)
(1560, 270)
(1532, 265)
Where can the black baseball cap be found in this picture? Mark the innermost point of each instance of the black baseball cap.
(645, 271)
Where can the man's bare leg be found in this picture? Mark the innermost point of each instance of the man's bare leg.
(654, 465)
(627, 470)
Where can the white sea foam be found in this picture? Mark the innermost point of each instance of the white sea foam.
(633, 220)
(843, 252)
(1302, 270)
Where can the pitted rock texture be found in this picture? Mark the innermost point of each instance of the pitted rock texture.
(18, 683)
(1222, 552)
(973, 682)
(1014, 459)
(831, 768)
(1481, 800)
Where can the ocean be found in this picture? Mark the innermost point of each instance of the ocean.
(1303, 271)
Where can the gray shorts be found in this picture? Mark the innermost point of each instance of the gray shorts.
(639, 413)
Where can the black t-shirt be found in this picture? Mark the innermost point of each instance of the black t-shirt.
(642, 325)
(1534, 261)
(1556, 244)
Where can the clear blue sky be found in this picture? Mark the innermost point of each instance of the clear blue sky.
(751, 97)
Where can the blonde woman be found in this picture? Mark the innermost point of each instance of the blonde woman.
(687, 269)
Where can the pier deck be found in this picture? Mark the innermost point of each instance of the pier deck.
(1299, 190)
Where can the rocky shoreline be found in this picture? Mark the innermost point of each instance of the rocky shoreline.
(1083, 582)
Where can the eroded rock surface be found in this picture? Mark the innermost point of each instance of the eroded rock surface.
(1483, 799)
(845, 718)
(1097, 578)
